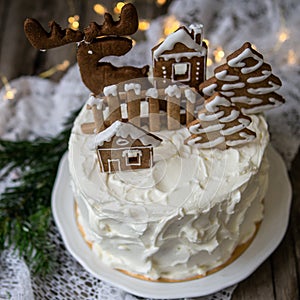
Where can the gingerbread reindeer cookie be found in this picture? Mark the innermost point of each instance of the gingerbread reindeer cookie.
(95, 43)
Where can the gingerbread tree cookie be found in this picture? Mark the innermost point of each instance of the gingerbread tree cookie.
(219, 125)
(247, 80)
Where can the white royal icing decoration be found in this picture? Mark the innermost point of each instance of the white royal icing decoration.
(246, 100)
(206, 145)
(133, 86)
(265, 75)
(228, 86)
(173, 90)
(152, 92)
(209, 90)
(212, 106)
(208, 118)
(179, 36)
(124, 130)
(233, 115)
(110, 90)
(224, 77)
(94, 101)
(264, 90)
(195, 129)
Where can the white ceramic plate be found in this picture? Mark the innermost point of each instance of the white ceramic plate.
(271, 232)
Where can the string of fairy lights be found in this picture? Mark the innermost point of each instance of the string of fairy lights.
(217, 55)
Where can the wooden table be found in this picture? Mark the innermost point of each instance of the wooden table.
(278, 277)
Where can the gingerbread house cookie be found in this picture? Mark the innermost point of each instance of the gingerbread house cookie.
(181, 57)
(124, 146)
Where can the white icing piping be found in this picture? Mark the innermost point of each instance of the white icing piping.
(233, 115)
(259, 78)
(206, 145)
(264, 90)
(173, 90)
(194, 129)
(133, 86)
(208, 118)
(110, 90)
(212, 106)
(224, 77)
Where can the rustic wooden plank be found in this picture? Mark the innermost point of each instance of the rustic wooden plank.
(16, 55)
(295, 215)
(3, 8)
(258, 286)
(284, 269)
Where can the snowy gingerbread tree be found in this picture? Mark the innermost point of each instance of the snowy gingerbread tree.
(246, 80)
(220, 125)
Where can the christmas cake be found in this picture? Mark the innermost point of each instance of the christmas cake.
(169, 174)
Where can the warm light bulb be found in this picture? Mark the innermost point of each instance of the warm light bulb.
(99, 9)
(144, 25)
(171, 24)
(219, 54)
(283, 36)
(292, 59)
(10, 94)
(74, 22)
(206, 41)
(161, 2)
(209, 62)
(118, 7)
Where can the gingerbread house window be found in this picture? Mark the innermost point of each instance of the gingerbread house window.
(133, 157)
(181, 71)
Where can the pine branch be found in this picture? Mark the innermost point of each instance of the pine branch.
(25, 207)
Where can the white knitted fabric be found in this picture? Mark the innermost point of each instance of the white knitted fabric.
(41, 106)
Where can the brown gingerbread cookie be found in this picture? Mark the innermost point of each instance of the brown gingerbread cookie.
(219, 125)
(41, 39)
(95, 75)
(247, 80)
(126, 25)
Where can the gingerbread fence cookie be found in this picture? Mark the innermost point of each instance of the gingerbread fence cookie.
(247, 80)
(219, 125)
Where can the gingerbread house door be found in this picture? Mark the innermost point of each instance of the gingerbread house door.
(114, 165)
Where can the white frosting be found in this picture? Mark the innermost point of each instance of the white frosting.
(133, 86)
(239, 63)
(233, 115)
(196, 129)
(178, 219)
(95, 101)
(224, 77)
(124, 130)
(152, 92)
(227, 86)
(212, 117)
(245, 99)
(179, 36)
(264, 90)
(213, 105)
(263, 77)
(173, 90)
(210, 89)
(110, 90)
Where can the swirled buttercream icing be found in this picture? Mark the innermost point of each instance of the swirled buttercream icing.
(181, 218)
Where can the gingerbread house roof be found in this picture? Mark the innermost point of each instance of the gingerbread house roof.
(125, 130)
(181, 35)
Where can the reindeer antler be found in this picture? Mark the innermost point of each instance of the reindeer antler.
(41, 39)
(126, 25)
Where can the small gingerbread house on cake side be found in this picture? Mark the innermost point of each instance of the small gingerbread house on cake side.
(124, 146)
(181, 57)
